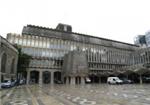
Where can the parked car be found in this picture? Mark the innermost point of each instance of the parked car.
(146, 79)
(22, 81)
(13, 82)
(114, 80)
(6, 84)
(87, 80)
(126, 81)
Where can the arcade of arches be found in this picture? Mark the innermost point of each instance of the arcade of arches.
(53, 76)
(42, 76)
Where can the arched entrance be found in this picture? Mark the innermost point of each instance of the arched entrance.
(46, 77)
(3, 63)
(34, 77)
(57, 77)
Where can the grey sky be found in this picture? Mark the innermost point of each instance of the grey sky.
(113, 19)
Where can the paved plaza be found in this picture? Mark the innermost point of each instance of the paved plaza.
(98, 94)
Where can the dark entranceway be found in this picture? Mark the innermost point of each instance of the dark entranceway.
(94, 78)
(78, 80)
(146, 77)
(46, 77)
(2, 78)
(122, 76)
(134, 77)
(104, 79)
(57, 77)
(34, 77)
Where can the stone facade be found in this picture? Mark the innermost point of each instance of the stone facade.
(75, 66)
(8, 60)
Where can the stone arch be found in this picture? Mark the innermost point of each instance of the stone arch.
(12, 70)
(3, 63)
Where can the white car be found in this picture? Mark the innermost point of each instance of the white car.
(6, 84)
(21, 82)
(87, 80)
(114, 80)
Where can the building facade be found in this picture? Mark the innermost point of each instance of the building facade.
(140, 40)
(147, 38)
(8, 60)
(54, 53)
(143, 40)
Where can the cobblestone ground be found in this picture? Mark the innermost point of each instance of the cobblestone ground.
(100, 94)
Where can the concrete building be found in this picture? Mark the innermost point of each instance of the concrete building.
(147, 38)
(8, 60)
(62, 55)
(143, 40)
(140, 40)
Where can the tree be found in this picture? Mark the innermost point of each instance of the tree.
(23, 62)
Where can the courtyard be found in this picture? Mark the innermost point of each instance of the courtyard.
(89, 94)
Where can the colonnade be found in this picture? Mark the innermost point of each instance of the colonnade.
(74, 80)
(40, 77)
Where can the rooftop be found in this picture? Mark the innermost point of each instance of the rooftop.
(70, 32)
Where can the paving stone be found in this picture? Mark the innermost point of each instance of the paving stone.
(78, 95)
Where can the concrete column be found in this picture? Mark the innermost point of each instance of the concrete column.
(52, 77)
(72, 80)
(141, 81)
(67, 80)
(96, 57)
(40, 77)
(28, 77)
(82, 80)
(88, 55)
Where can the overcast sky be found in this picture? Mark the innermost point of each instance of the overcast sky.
(119, 20)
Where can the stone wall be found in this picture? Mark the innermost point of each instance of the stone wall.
(8, 60)
(75, 64)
